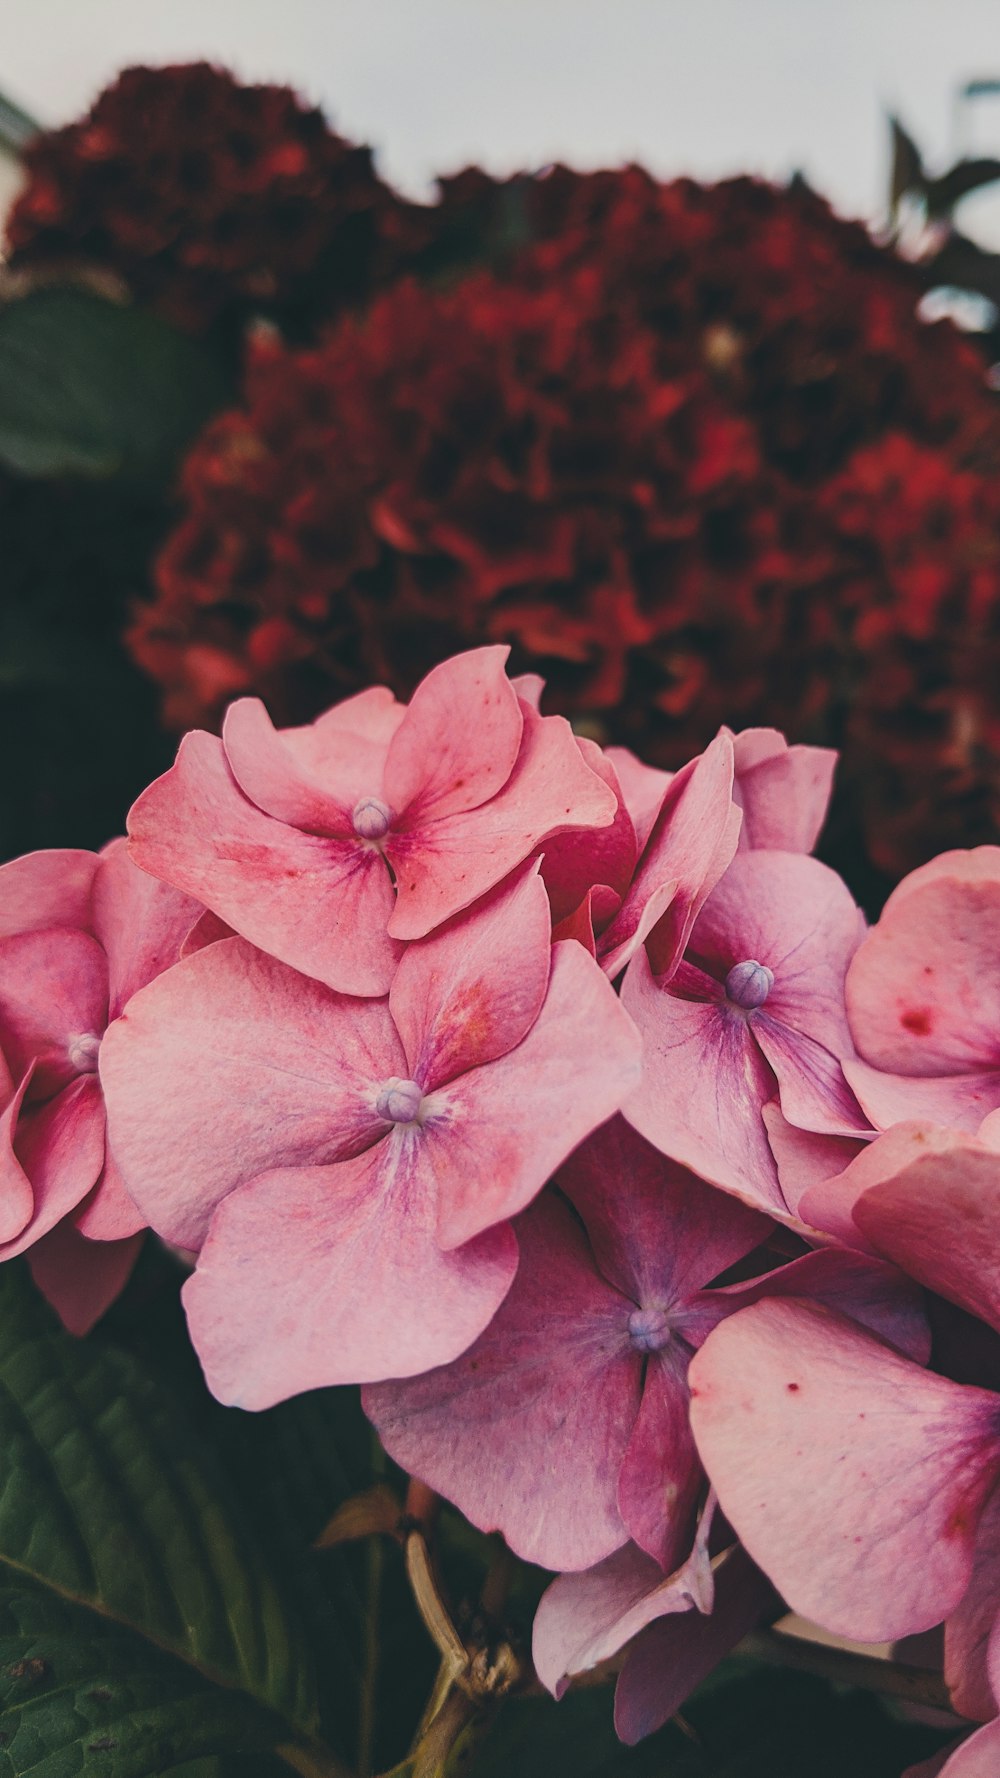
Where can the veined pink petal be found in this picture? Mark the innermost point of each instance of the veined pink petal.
(46, 889)
(868, 1291)
(321, 905)
(472, 990)
(658, 1232)
(923, 994)
(830, 1204)
(959, 1100)
(445, 864)
(526, 1431)
(457, 744)
(53, 992)
(784, 791)
(661, 1473)
(804, 1157)
(268, 772)
(693, 840)
(970, 1626)
(939, 1219)
(703, 1086)
(672, 1655)
(813, 1092)
(325, 1275)
(80, 1278)
(345, 748)
(140, 923)
(853, 1478)
(60, 1146)
(497, 1134)
(232, 1064)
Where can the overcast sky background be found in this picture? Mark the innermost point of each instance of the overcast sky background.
(702, 86)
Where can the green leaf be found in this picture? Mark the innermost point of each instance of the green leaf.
(108, 1498)
(79, 1696)
(95, 388)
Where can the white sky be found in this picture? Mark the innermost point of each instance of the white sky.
(702, 86)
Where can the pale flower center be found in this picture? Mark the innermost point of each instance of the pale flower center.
(399, 1101)
(749, 984)
(83, 1052)
(371, 818)
(649, 1329)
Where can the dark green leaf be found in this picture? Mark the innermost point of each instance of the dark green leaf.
(95, 388)
(108, 1498)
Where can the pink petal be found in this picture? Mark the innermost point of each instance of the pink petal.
(598, 906)
(853, 1478)
(813, 1092)
(661, 1474)
(471, 991)
(830, 1205)
(443, 866)
(703, 1086)
(573, 862)
(328, 1275)
(109, 1214)
(80, 1278)
(497, 1134)
(866, 1290)
(692, 842)
(960, 1100)
(784, 791)
(970, 1626)
(232, 1064)
(53, 991)
(804, 1157)
(924, 991)
(643, 788)
(939, 1219)
(658, 1232)
(207, 929)
(457, 744)
(140, 922)
(529, 688)
(978, 1757)
(46, 889)
(267, 772)
(60, 1146)
(17, 1200)
(672, 1656)
(525, 1433)
(321, 905)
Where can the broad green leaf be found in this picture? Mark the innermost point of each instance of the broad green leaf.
(109, 1498)
(95, 388)
(79, 1696)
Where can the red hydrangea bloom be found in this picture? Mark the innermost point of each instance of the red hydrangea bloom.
(80, 933)
(210, 198)
(651, 449)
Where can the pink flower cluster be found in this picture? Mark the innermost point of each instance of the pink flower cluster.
(568, 1106)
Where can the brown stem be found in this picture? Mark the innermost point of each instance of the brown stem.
(917, 1685)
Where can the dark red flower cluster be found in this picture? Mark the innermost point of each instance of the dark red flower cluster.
(209, 198)
(689, 450)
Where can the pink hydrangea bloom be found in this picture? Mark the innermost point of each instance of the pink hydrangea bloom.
(328, 846)
(754, 1011)
(349, 1167)
(80, 933)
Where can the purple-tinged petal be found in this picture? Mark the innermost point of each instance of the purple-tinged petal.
(471, 991)
(805, 1157)
(80, 1278)
(693, 840)
(326, 1275)
(497, 1134)
(232, 1064)
(46, 889)
(970, 1626)
(140, 923)
(526, 1432)
(959, 1100)
(658, 1232)
(444, 865)
(868, 1291)
(457, 744)
(319, 904)
(703, 1086)
(784, 791)
(672, 1656)
(661, 1474)
(812, 1090)
(939, 1219)
(60, 1146)
(855, 1479)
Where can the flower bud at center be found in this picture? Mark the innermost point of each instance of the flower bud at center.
(649, 1329)
(399, 1101)
(749, 984)
(83, 1052)
(371, 818)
